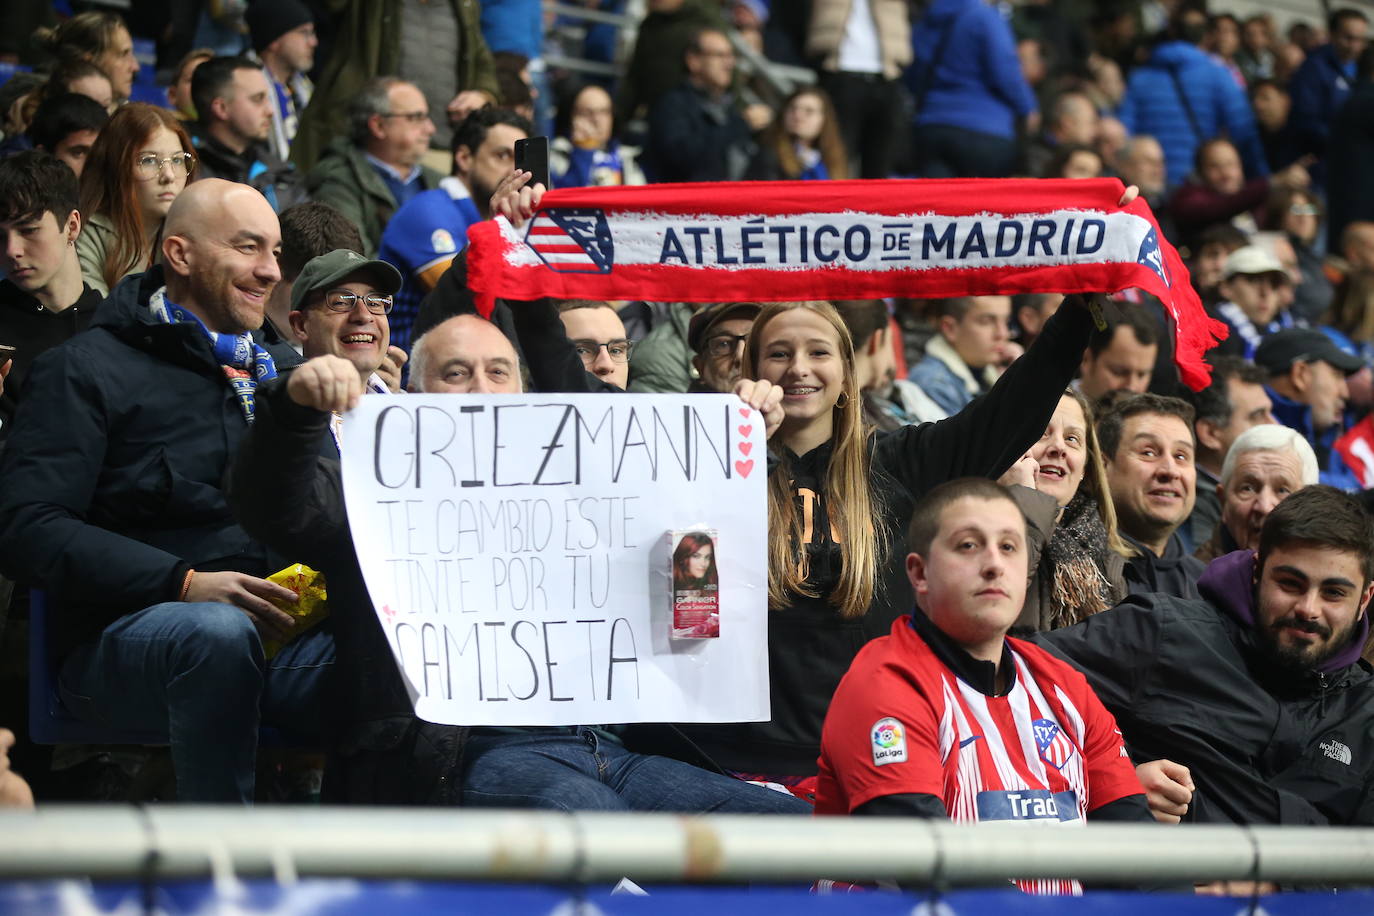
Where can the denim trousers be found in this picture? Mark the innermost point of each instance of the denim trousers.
(196, 672)
(577, 769)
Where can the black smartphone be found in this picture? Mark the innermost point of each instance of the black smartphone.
(532, 155)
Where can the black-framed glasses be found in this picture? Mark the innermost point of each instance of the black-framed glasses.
(149, 166)
(617, 350)
(414, 117)
(341, 300)
(722, 345)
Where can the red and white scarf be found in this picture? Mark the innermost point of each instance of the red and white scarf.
(789, 240)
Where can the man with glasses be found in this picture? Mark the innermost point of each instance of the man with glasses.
(697, 347)
(112, 500)
(369, 174)
(716, 335)
(598, 335)
(339, 306)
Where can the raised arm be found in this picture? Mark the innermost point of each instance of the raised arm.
(282, 492)
(995, 430)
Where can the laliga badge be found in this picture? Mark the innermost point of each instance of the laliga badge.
(889, 742)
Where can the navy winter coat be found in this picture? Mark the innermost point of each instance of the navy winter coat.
(110, 484)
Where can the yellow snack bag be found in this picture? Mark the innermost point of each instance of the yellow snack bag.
(311, 604)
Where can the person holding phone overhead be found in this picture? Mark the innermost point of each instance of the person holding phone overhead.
(423, 237)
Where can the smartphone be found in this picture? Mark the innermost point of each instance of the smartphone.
(6, 352)
(532, 155)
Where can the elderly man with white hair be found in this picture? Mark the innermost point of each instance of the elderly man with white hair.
(1265, 465)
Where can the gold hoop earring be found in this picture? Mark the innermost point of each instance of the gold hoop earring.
(843, 400)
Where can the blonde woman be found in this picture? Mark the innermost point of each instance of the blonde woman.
(840, 497)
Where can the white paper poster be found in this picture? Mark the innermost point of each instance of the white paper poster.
(517, 551)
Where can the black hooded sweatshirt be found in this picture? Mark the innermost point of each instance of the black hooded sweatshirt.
(810, 645)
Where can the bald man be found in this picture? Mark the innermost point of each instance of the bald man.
(159, 607)
(464, 355)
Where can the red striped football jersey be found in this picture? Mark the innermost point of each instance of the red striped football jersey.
(902, 722)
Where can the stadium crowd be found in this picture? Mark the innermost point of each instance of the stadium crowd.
(1016, 570)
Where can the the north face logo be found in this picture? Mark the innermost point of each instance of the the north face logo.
(1336, 751)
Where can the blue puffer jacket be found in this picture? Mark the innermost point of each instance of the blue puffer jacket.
(1152, 106)
(978, 84)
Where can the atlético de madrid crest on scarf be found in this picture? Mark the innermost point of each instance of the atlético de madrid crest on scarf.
(572, 240)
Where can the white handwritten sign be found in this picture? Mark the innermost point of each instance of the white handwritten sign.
(516, 550)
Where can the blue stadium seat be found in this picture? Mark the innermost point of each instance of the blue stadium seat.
(49, 720)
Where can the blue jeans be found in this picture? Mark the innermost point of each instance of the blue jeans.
(197, 673)
(576, 770)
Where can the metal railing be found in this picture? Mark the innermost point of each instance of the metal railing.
(464, 844)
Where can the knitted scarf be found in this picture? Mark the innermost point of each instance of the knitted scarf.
(244, 361)
(1077, 556)
(790, 240)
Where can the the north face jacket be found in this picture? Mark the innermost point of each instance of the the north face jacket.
(1188, 680)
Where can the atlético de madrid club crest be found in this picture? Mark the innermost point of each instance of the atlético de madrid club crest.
(1152, 257)
(572, 240)
(1055, 747)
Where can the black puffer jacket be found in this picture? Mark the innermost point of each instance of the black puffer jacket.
(809, 645)
(1186, 681)
(110, 484)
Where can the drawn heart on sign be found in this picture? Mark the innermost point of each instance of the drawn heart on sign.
(388, 611)
(746, 447)
(744, 412)
(745, 431)
(744, 467)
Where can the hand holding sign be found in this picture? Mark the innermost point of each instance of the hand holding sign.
(327, 383)
(765, 397)
(516, 549)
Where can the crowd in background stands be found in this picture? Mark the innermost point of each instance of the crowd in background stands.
(314, 171)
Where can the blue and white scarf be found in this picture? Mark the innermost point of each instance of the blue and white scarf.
(244, 361)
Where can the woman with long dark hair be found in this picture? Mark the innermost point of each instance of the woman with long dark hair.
(804, 143)
(136, 168)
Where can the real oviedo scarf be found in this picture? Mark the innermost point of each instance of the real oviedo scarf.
(788, 240)
(244, 362)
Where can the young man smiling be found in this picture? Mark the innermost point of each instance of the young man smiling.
(43, 300)
(1256, 688)
(962, 360)
(947, 717)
